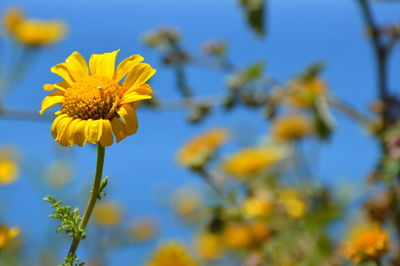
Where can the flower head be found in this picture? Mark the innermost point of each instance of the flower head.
(254, 206)
(186, 203)
(172, 254)
(9, 167)
(253, 161)
(367, 243)
(292, 202)
(209, 246)
(95, 103)
(143, 229)
(7, 234)
(32, 32)
(303, 93)
(107, 214)
(201, 149)
(291, 127)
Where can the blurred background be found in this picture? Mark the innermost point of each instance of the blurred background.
(146, 181)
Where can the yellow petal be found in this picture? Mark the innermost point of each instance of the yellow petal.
(119, 129)
(79, 133)
(138, 76)
(103, 64)
(93, 130)
(127, 65)
(55, 124)
(128, 115)
(63, 85)
(62, 128)
(142, 92)
(69, 135)
(77, 66)
(62, 71)
(106, 138)
(52, 99)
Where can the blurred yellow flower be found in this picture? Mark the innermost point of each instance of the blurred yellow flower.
(59, 173)
(32, 32)
(303, 93)
(6, 234)
(95, 106)
(9, 168)
(253, 207)
(209, 246)
(107, 214)
(172, 254)
(253, 161)
(237, 235)
(198, 151)
(366, 243)
(259, 232)
(186, 203)
(291, 127)
(292, 202)
(143, 229)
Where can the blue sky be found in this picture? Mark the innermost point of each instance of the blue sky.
(299, 33)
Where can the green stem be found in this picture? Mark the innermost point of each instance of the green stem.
(92, 201)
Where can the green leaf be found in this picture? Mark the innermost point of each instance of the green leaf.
(323, 120)
(254, 10)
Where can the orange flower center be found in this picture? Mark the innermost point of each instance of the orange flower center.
(92, 97)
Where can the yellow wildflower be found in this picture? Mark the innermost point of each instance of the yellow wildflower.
(209, 246)
(256, 207)
(201, 149)
(143, 229)
(302, 93)
(291, 127)
(253, 161)
(59, 173)
(6, 234)
(172, 254)
(9, 168)
(367, 243)
(32, 32)
(97, 105)
(107, 214)
(186, 203)
(292, 202)
(237, 235)
(259, 232)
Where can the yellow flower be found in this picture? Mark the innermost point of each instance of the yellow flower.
(201, 149)
(97, 105)
(237, 235)
(172, 254)
(208, 246)
(294, 205)
(186, 203)
(12, 17)
(9, 168)
(253, 161)
(291, 127)
(6, 234)
(143, 229)
(367, 243)
(303, 93)
(59, 173)
(256, 207)
(32, 32)
(107, 214)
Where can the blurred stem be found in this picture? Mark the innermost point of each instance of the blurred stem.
(381, 59)
(93, 198)
(16, 71)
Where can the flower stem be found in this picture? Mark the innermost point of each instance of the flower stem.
(92, 201)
